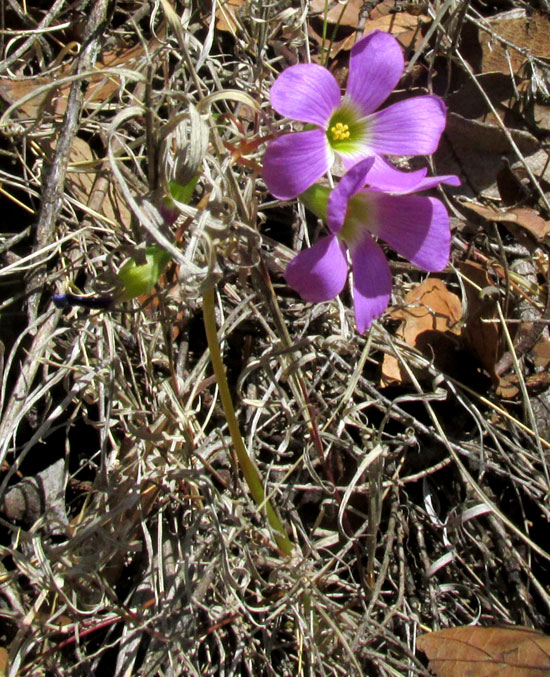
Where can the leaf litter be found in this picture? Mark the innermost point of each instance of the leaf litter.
(415, 495)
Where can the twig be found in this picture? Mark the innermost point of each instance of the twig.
(52, 197)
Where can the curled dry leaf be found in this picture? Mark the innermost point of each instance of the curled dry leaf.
(524, 217)
(482, 336)
(431, 314)
(472, 650)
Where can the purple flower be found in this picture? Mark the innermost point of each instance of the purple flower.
(347, 126)
(417, 227)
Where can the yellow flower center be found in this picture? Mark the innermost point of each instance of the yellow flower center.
(340, 132)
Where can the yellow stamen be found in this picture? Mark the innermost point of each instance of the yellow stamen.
(340, 132)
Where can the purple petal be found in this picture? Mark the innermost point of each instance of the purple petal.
(375, 67)
(384, 177)
(306, 92)
(319, 273)
(349, 184)
(387, 178)
(416, 227)
(293, 162)
(410, 127)
(371, 282)
(431, 181)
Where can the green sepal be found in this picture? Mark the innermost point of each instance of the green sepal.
(315, 198)
(139, 279)
(181, 193)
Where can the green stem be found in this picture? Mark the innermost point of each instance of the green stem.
(249, 470)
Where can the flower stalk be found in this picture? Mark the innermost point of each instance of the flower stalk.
(249, 470)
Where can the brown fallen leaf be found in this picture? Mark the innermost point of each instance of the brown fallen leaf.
(54, 99)
(500, 89)
(83, 175)
(475, 149)
(484, 652)
(342, 14)
(226, 15)
(524, 217)
(528, 32)
(102, 87)
(430, 315)
(541, 353)
(483, 337)
(481, 333)
(404, 26)
(487, 137)
(4, 661)
(513, 185)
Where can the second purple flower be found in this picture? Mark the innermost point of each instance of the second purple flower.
(373, 199)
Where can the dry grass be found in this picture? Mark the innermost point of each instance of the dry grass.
(413, 507)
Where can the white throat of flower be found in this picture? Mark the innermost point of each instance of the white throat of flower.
(347, 132)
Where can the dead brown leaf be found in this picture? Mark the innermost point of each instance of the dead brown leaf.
(430, 314)
(4, 661)
(487, 138)
(483, 337)
(500, 89)
(102, 87)
(524, 217)
(513, 185)
(404, 26)
(431, 307)
(336, 46)
(226, 13)
(473, 650)
(541, 353)
(342, 14)
(84, 172)
(474, 149)
(481, 331)
(528, 32)
(54, 99)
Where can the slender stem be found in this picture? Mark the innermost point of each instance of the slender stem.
(249, 470)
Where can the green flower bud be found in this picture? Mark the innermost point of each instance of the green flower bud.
(140, 279)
